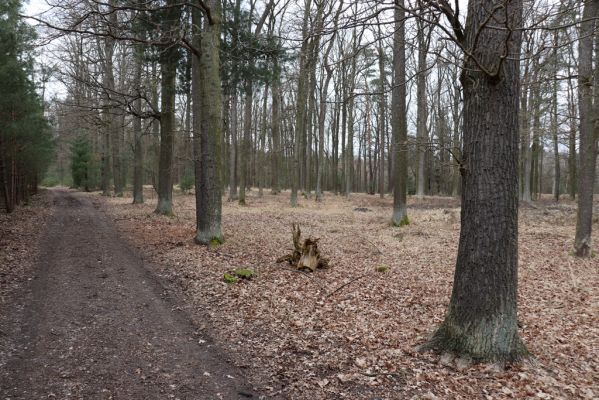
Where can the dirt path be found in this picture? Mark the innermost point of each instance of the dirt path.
(95, 324)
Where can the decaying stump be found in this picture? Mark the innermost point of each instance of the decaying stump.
(305, 255)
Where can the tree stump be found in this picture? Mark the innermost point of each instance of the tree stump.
(305, 255)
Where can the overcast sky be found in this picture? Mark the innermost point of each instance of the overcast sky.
(33, 7)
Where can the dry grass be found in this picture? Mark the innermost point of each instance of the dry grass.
(349, 331)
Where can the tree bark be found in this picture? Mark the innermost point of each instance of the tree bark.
(481, 320)
(525, 165)
(323, 103)
(349, 152)
(399, 121)
(382, 115)
(261, 162)
(572, 142)
(233, 149)
(302, 96)
(138, 192)
(554, 121)
(535, 162)
(168, 65)
(245, 141)
(208, 125)
(588, 131)
(422, 112)
(457, 148)
(276, 128)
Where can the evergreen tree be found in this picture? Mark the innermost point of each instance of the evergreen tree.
(25, 140)
(81, 163)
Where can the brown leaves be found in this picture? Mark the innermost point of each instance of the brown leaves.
(358, 343)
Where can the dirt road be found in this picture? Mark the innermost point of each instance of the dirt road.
(93, 323)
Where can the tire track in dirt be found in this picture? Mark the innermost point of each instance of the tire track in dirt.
(95, 324)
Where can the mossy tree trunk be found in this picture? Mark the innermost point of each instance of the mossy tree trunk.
(481, 321)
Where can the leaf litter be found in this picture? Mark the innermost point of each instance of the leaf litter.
(350, 331)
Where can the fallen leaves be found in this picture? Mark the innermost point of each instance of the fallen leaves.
(298, 341)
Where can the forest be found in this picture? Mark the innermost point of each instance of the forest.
(316, 199)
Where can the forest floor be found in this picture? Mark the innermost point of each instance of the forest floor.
(350, 331)
(82, 316)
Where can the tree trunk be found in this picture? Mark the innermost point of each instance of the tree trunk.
(114, 111)
(245, 141)
(399, 121)
(554, 121)
(168, 65)
(209, 124)
(138, 192)
(262, 150)
(323, 103)
(107, 117)
(525, 138)
(481, 321)
(276, 128)
(457, 148)
(572, 142)
(588, 131)
(382, 112)
(4, 177)
(421, 117)
(233, 149)
(302, 96)
(536, 140)
(349, 152)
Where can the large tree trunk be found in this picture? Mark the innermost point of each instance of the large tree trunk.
(535, 162)
(138, 192)
(105, 184)
(300, 115)
(208, 124)
(115, 111)
(245, 141)
(588, 131)
(457, 148)
(572, 142)
(349, 152)
(233, 149)
(276, 128)
(481, 320)
(323, 104)
(382, 115)
(168, 65)
(554, 121)
(107, 117)
(261, 156)
(399, 121)
(525, 165)
(422, 112)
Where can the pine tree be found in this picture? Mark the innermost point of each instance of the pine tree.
(25, 140)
